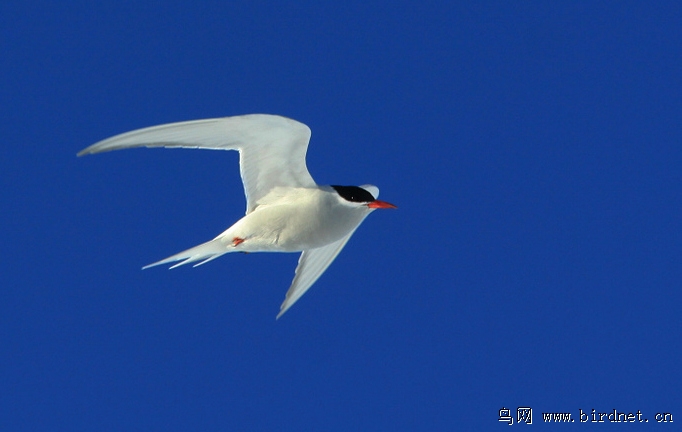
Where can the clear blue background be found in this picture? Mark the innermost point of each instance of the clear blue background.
(535, 259)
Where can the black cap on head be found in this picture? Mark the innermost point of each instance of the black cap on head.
(354, 194)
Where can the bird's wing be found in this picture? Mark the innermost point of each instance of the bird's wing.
(271, 148)
(311, 265)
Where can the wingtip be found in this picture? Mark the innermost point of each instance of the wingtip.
(93, 149)
(90, 150)
(282, 309)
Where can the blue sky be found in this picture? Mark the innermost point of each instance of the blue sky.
(533, 150)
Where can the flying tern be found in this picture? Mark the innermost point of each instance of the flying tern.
(286, 211)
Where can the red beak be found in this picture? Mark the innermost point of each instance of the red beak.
(376, 204)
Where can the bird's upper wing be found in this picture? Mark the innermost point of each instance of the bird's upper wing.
(271, 148)
(311, 265)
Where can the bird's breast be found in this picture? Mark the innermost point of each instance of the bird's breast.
(297, 223)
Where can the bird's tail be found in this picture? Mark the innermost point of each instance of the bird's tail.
(203, 253)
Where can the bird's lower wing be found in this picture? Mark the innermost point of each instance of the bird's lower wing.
(311, 265)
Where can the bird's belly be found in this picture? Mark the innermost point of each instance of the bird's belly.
(287, 229)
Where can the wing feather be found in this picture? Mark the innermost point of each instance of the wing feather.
(272, 148)
(311, 265)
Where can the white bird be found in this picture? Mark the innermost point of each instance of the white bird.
(286, 211)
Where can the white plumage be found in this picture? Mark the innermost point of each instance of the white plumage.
(285, 210)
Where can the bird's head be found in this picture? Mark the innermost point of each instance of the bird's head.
(365, 195)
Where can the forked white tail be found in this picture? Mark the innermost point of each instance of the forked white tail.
(204, 253)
